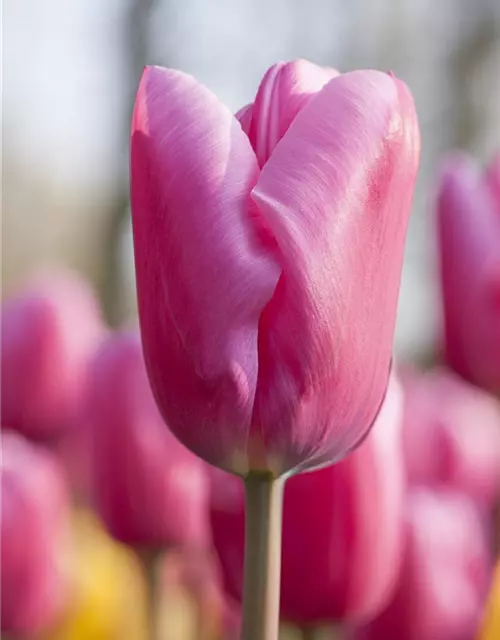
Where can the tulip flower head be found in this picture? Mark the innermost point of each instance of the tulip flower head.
(468, 212)
(49, 332)
(149, 490)
(445, 575)
(342, 529)
(33, 531)
(452, 435)
(492, 176)
(268, 252)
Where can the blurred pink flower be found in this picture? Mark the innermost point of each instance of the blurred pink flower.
(445, 576)
(452, 435)
(342, 529)
(492, 176)
(468, 212)
(231, 620)
(49, 331)
(268, 258)
(149, 490)
(34, 525)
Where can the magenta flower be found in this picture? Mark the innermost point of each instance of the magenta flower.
(445, 575)
(49, 332)
(452, 436)
(33, 529)
(492, 177)
(342, 529)
(268, 251)
(149, 490)
(468, 212)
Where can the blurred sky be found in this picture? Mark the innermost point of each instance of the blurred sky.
(70, 66)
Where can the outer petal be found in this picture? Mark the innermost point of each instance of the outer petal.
(349, 517)
(469, 249)
(445, 573)
(342, 529)
(202, 276)
(336, 195)
(493, 179)
(34, 526)
(424, 441)
(49, 332)
(470, 421)
(244, 117)
(452, 436)
(283, 93)
(149, 490)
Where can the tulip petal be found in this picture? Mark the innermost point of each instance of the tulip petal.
(485, 350)
(492, 176)
(469, 233)
(336, 195)
(48, 332)
(203, 276)
(284, 91)
(244, 117)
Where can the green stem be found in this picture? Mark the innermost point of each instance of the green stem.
(150, 560)
(206, 608)
(261, 585)
(311, 633)
(321, 633)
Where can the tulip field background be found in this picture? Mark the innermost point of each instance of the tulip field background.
(66, 116)
(70, 72)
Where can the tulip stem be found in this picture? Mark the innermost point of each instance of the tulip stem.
(261, 584)
(150, 560)
(320, 633)
(496, 529)
(311, 633)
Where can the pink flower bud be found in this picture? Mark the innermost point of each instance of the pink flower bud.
(452, 435)
(33, 530)
(445, 575)
(49, 332)
(468, 212)
(268, 258)
(149, 490)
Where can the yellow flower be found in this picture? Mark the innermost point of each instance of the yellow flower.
(108, 599)
(491, 626)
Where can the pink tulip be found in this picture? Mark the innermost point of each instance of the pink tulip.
(268, 258)
(452, 436)
(444, 579)
(342, 529)
(492, 176)
(149, 490)
(49, 331)
(231, 620)
(33, 528)
(468, 211)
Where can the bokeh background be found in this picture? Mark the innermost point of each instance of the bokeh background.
(70, 70)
